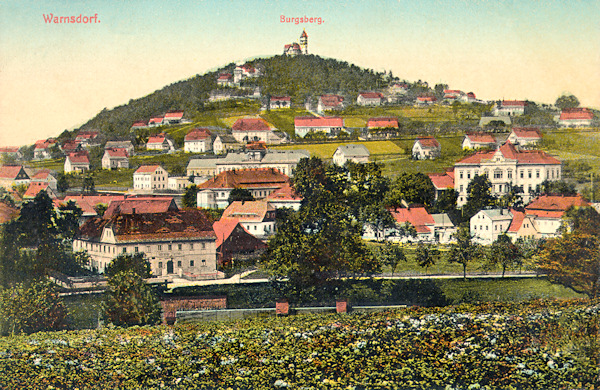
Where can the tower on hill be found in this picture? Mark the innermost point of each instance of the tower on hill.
(295, 49)
(304, 42)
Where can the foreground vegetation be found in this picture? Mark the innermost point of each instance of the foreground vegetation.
(541, 344)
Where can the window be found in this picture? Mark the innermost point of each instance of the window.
(497, 174)
(460, 173)
(160, 264)
(204, 263)
(529, 173)
(486, 227)
(537, 173)
(191, 263)
(179, 263)
(170, 247)
(124, 250)
(461, 188)
(203, 246)
(468, 174)
(179, 246)
(160, 247)
(136, 249)
(148, 248)
(509, 174)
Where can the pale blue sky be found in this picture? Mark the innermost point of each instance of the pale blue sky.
(54, 77)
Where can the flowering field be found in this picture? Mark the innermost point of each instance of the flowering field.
(537, 345)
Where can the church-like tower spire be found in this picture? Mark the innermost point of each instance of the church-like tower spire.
(304, 42)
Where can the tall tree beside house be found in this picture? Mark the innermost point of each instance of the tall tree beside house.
(366, 186)
(439, 90)
(446, 203)
(479, 196)
(137, 263)
(513, 198)
(412, 188)
(391, 255)
(88, 186)
(567, 101)
(377, 217)
(240, 194)
(558, 187)
(190, 197)
(68, 220)
(426, 255)
(62, 183)
(503, 253)
(463, 250)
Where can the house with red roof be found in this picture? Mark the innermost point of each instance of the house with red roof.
(576, 117)
(139, 125)
(285, 197)
(173, 118)
(234, 242)
(488, 224)
(140, 205)
(198, 140)
(546, 211)
(156, 121)
(88, 138)
(88, 203)
(150, 178)
(280, 102)
(127, 145)
(255, 129)
(419, 218)
(425, 100)
(426, 148)
(41, 151)
(245, 71)
(510, 108)
(175, 242)
(214, 193)
(525, 136)
(160, 142)
(442, 182)
(370, 99)
(11, 151)
(507, 167)
(478, 140)
(329, 125)
(257, 217)
(13, 175)
(77, 162)
(71, 146)
(225, 80)
(330, 102)
(382, 123)
(37, 186)
(45, 176)
(115, 158)
(452, 95)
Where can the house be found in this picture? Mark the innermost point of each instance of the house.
(425, 100)
(88, 139)
(77, 162)
(127, 145)
(173, 118)
(469, 98)
(330, 102)
(225, 80)
(115, 158)
(510, 108)
(11, 151)
(295, 49)
(89, 204)
(382, 123)
(487, 225)
(257, 217)
(576, 117)
(254, 129)
(224, 143)
(284, 161)
(426, 148)
(150, 178)
(443, 228)
(525, 136)
(140, 205)
(478, 140)
(13, 175)
(214, 193)
(234, 242)
(280, 102)
(330, 125)
(245, 71)
(139, 125)
(198, 141)
(370, 99)
(41, 151)
(203, 167)
(518, 223)
(545, 214)
(357, 153)
(44, 176)
(398, 88)
(419, 218)
(442, 182)
(71, 147)
(35, 187)
(286, 197)
(178, 183)
(452, 95)
(506, 167)
(175, 242)
(160, 142)
(156, 121)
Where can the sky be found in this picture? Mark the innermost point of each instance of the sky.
(56, 76)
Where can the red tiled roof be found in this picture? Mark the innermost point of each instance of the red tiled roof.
(471, 95)
(140, 124)
(117, 152)
(286, 192)
(481, 138)
(172, 225)
(156, 119)
(9, 149)
(527, 132)
(251, 124)
(223, 229)
(555, 203)
(509, 151)
(34, 188)
(147, 169)
(141, 205)
(197, 135)
(242, 241)
(281, 99)
(88, 202)
(416, 216)
(452, 91)
(441, 181)
(70, 145)
(10, 171)
(426, 98)
(7, 213)
(576, 114)
(313, 121)
(428, 142)
(517, 220)
(371, 95)
(41, 175)
(248, 211)
(382, 122)
(79, 158)
(332, 100)
(157, 138)
(225, 76)
(174, 115)
(513, 103)
(246, 178)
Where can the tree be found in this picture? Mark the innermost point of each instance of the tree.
(31, 308)
(130, 301)
(567, 101)
(391, 255)
(378, 217)
(426, 255)
(88, 186)
(366, 186)
(190, 197)
(557, 187)
(412, 188)
(137, 263)
(439, 90)
(62, 184)
(463, 251)
(512, 199)
(479, 196)
(504, 253)
(581, 219)
(68, 220)
(240, 194)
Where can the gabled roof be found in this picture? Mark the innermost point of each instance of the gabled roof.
(87, 202)
(428, 142)
(251, 124)
(173, 225)
(156, 119)
(140, 124)
(69, 146)
(371, 95)
(198, 134)
(9, 149)
(227, 138)
(331, 100)
(44, 174)
(513, 103)
(141, 205)
(517, 221)
(286, 192)
(10, 171)
(441, 181)
(147, 169)
(576, 114)
(246, 178)
(174, 115)
(35, 187)
(554, 203)
(481, 138)
(249, 211)
(86, 135)
(382, 122)
(313, 121)
(508, 151)
(496, 214)
(354, 150)
(116, 152)
(416, 216)
(78, 158)
(157, 138)
(242, 240)
(527, 132)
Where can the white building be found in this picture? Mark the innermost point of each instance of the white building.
(254, 130)
(258, 217)
(160, 142)
(576, 117)
(525, 136)
(330, 126)
(487, 225)
(357, 153)
(510, 108)
(280, 102)
(198, 141)
(115, 158)
(426, 148)
(478, 140)
(150, 178)
(178, 183)
(370, 99)
(77, 162)
(506, 167)
(224, 143)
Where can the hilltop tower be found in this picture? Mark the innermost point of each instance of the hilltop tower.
(304, 42)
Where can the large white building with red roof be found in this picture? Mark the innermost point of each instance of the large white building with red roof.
(525, 136)
(329, 125)
(426, 148)
(77, 162)
(370, 99)
(254, 129)
(506, 167)
(576, 117)
(150, 178)
(478, 140)
(198, 141)
(510, 108)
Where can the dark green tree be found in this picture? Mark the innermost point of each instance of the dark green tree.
(513, 199)
(137, 263)
(67, 220)
(366, 186)
(557, 187)
(463, 251)
(503, 253)
(88, 186)
(391, 255)
(240, 194)
(566, 101)
(426, 255)
(190, 197)
(377, 217)
(412, 188)
(62, 184)
(479, 196)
